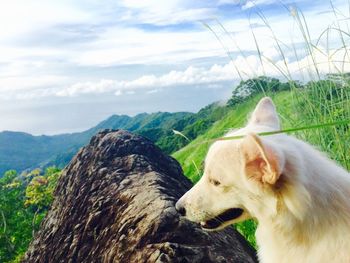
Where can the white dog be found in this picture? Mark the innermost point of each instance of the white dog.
(300, 198)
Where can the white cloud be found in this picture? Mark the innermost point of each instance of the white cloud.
(320, 60)
(253, 3)
(13, 84)
(326, 61)
(103, 86)
(152, 83)
(87, 50)
(153, 91)
(117, 46)
(26, 72)
(247, 4)
(118, 92)
(23, 16)
(231, 2)
(165, 12)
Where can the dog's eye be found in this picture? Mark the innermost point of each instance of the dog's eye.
(215, 182)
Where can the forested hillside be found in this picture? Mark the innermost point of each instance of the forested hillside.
(20, 151)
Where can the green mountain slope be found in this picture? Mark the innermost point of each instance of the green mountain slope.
(21, 151)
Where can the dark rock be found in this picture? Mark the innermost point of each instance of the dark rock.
(115, 203)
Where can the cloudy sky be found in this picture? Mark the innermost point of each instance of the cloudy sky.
(65, 65)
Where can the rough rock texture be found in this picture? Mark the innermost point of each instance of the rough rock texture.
(115, 203)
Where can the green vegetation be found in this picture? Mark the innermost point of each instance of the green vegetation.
(189, 124)
(24, 201)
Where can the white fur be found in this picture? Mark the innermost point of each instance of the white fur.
(300, 198)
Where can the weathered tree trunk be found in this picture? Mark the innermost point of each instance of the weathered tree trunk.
(115, 203)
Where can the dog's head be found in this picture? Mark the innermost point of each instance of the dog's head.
(239, 175)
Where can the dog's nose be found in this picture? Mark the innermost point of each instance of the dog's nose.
(180, 208)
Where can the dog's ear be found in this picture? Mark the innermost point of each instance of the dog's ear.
(265, 113)
(261, 162)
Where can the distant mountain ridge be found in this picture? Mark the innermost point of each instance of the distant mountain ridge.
(21, 151)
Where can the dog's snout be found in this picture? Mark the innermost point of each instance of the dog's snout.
(180, 208)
